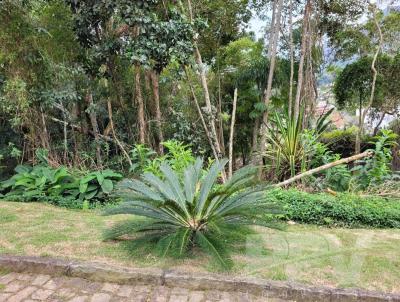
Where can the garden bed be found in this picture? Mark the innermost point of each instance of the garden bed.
(363, 258)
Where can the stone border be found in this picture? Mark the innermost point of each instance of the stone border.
(171, 278)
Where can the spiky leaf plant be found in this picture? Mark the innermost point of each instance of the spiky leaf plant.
(288, 150)
(190, 212)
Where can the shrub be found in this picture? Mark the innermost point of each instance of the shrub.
(395, 127)
(141, 157)
(367, 173)
(341, 210)
(376, 170)
(180, 214)
(59, 186)
(343, 141)
(178, 156)
(336, 178)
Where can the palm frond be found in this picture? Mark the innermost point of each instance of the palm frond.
(139, 187)
(207, 185)
(182, 212)
(191, 179)
(213, 247)
(171, 179)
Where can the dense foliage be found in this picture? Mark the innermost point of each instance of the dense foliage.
(362, 174)
(90, 80)
(177, 155)
(345, 209)
(59, 186)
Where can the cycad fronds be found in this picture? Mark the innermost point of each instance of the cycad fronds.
(182, 213)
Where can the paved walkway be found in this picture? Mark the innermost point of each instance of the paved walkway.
(30, 288)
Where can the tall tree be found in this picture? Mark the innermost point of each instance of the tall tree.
(272, 53)
(204, 84)
(154, 35)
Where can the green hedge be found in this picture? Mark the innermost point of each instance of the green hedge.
(343, 210)
(343, 141)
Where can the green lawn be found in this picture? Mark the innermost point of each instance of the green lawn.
(364, 258)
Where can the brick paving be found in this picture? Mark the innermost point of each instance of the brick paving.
(30, 288)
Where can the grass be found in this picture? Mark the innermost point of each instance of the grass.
(365, 258)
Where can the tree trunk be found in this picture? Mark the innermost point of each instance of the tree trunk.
(121, 147)
(232, 131)
(256, 131)
(203, 79)
(274, 37)
(156, 96)
(375, 75)
(95, 127)
(220, 122)
(203, 122)
(76, 142)
(271, 29)
(379, 123)
(304, 39)
(359, 133)
(45, 134)
(65, 132)
(210, 114)
(83, 118)
(140, 102)
(310, 90)
(290, 104)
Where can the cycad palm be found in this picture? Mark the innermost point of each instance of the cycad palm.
(183, 213)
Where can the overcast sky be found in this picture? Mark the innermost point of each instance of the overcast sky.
(258, 26)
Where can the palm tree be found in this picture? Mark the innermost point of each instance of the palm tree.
(194, 211)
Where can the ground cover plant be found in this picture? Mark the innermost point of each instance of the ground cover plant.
(318, 255)
(59, 186)
(342, 209)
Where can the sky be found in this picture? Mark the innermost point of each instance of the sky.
(258, 26)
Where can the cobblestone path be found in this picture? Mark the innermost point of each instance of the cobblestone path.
(30, 288)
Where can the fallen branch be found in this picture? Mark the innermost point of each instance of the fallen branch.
(324, 167)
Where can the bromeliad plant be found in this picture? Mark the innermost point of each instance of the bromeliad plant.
(181, 213)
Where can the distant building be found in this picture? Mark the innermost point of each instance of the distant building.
(340, 119)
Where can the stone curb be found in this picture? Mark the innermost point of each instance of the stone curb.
(170, 278)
